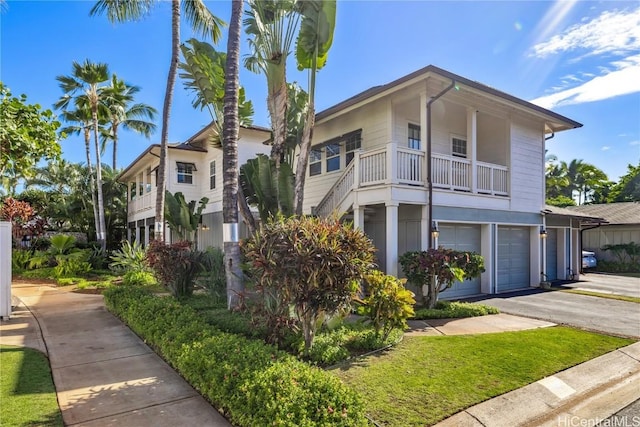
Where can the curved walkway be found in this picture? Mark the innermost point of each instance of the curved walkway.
(103, 373)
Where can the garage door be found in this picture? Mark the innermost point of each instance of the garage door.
(461, 237)
(552, 254)
(513, 258)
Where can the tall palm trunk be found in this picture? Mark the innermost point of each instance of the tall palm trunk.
(235, 285)
(277, 105)
(92, 182)
(166, 113)
(101, 230)
(114, 131)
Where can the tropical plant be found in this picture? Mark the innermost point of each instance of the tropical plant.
(388, 304)
(203, 22)
(176, 266)
(17, 213)
(83, 89)
(130, 257)
(213, 278)
(436, 270)
(119, 100)
(625, 252)
(314, 264)
(183, 217)
(312, 47)
(27, 135)
(628, 188)
(271, 193)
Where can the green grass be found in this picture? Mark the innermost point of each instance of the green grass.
(427, 379)
(26, 389)
(602, 295)
(454, 310)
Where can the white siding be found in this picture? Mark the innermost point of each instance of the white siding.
(527, 166)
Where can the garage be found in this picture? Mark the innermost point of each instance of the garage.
(461, 237)
(513, 258)
(552, 254)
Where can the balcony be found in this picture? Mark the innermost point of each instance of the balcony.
(402, 166)
(142, 203)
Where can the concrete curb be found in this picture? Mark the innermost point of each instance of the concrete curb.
(583, 395)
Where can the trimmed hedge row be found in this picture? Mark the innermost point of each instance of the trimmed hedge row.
(252, 383)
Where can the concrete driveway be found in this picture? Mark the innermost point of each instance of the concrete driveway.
(586, 312)
(607, 283)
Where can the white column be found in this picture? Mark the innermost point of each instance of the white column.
(472, 142)
(423, 135)
(5, 269)
(392, 238)
(392, 163)
(146, 234)
(424, 228)
(358, 217)
(486, 250)
(137, 233)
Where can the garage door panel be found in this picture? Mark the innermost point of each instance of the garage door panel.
(513, 258)
(552, 254)
(461, 237)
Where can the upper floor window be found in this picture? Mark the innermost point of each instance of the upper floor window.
(333, 157)
(315, 162)
(353, 143)
(459, 147)
(132, 190)
(185, 172)
(413, 136)
(212, 175)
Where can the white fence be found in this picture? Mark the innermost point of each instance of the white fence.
(5, 270)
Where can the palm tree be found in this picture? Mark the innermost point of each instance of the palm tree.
(83, 87)
(203, 22)
(230, 159)
(82, 124)
(312, 47)
(119, 97)
(271, 26)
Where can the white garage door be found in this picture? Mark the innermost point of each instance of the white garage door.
(461, 237)
(513, 258)
(552, 254)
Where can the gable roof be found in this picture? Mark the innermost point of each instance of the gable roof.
(560, 122)
(614, 213)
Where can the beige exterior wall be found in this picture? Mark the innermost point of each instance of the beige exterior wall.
(594, 239)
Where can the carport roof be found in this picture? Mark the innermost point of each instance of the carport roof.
(613, 213)
(583, 217)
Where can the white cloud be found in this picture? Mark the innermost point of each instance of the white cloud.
(623, 81)
(606, 148)
(612, 32)
(634, 143)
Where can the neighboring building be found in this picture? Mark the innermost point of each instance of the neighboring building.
(370, 160)
(623, 226)
(193, 168)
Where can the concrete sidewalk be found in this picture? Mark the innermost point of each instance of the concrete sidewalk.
(103, 373)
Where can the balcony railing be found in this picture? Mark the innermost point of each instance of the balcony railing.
(394, 165)
(142, 203)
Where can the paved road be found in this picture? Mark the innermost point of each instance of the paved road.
(608, 283)
(586, 312)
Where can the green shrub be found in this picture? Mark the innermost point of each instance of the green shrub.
(252, 383)
(138, 278)
(20, 259)
(70, 267)
(618, 267)
(454, 309)
(435, 270)
(388, 304)
(213, 280)
(40, 273)
(313, 264)
(130, 257)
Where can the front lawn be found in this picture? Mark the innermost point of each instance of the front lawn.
(426, 379)
(26, 389)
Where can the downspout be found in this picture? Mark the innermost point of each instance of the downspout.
(429, 180)
(550, 137)
(582, 230)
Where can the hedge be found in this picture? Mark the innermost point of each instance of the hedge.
(250, 382)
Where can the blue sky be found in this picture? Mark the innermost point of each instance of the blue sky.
(578, 58)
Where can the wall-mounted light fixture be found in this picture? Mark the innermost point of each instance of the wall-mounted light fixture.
(543, 232)
(205, 227)
(434, 230)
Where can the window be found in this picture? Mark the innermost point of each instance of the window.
(185, 172)
(315, 162)
(353, 143)
(132, 191)
(212, 175)
(413, 136)
(459, 147)
(333, 157)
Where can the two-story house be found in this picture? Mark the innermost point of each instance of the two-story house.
(371, 160)
(194, 168)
